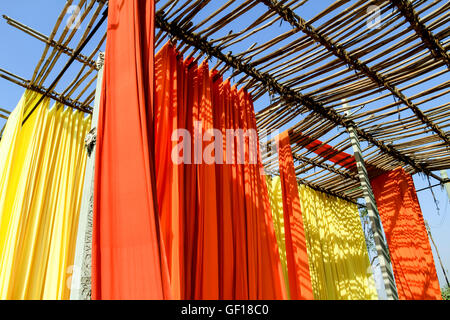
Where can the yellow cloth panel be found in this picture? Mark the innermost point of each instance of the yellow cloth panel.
(338, 259)
(42, 168)
(337, 252)
(276, 203)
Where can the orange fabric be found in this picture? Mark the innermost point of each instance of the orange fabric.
(190, 182)
(215, 217)
(128, 260)
(169, 186)
(296, 251)
(207, 258)
(271, 272)
(409, 247)
(221, 104)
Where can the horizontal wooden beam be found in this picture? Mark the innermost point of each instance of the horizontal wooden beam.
(52, 43)
(53, 95)
(4, 111)
(319, 188)
(325, 166)
(335, 48)
(430, 41)
(288, 95)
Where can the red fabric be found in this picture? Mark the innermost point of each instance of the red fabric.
(343, 159)
(409, 247)
(215, 218)
(328, 152)
(295, 238)
(128, 260)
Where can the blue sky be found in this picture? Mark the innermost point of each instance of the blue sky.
(19, 53)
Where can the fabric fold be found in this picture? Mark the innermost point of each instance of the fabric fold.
(213, 202)
(406, 235)
(42, 164)
(128, 254)
(296, 250)
(338, 257)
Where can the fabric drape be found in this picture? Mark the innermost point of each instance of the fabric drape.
(128, 258)
(295, 239)
(338, 257)
(213, 205)
(407, 238)
(337, 254)
(276, 203)
(168, 177)
(42, 164)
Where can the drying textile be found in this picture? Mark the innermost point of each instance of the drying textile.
(128, 261)
(213, 205)
(337, 254)
(42, 164)
(406, 235)
(338, 257)
(295, 239)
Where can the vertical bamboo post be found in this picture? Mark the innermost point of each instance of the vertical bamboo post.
(378, 235)
(437, 253)
(81, 276)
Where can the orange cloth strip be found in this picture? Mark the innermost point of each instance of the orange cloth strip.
(409, 247)
(296, 251)
(127, 260)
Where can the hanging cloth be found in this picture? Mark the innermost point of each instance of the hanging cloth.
(338, 257)
(169, 183)
(296, 250)
(42, 164)
(406, 235)
(337, 253)
(128, 258)
(276, 203)
(213, 206)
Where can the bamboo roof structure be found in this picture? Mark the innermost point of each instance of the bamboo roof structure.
(381, 67)
(80, 92)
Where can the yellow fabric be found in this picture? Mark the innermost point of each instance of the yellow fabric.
(338, 259)
(42, 166)
(276, 203)
(339, 262)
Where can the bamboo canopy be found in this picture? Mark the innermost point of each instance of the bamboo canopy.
(80, 92)
(320, 75)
